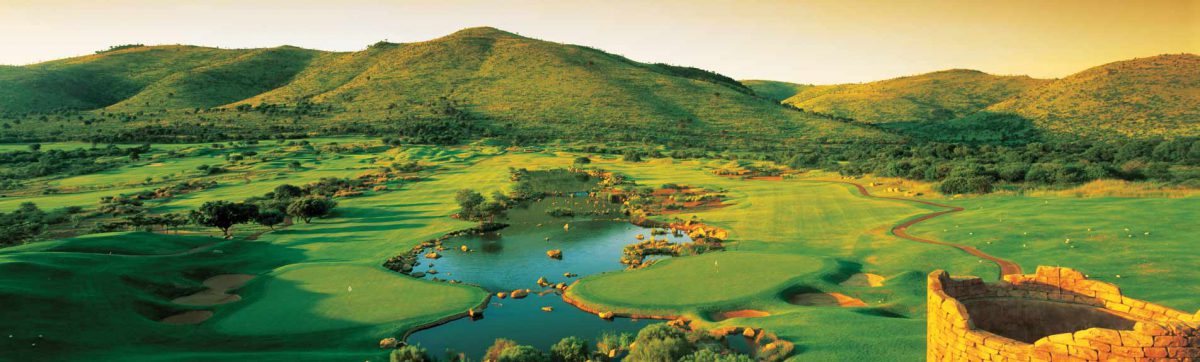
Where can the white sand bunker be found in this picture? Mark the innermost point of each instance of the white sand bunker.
(864, 280)
(217, 293)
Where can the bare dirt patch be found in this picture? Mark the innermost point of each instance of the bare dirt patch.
(189, 317)
(832, 299)
(740, 313)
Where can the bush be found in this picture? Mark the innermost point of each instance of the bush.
(522, 354)
(310, 207)
(570, 349)
(966, 185)
(660, 343)
(410, 353)
(708, 355)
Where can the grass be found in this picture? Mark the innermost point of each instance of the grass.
(1154, 258)
(321, 293)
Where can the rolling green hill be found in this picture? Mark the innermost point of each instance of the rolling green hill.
(775, 90)
(937, 96)
(505, 82)
(1145, 97)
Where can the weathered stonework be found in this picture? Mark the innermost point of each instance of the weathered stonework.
(1061, 315)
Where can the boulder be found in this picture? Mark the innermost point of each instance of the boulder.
(554, 254)
(418, 274)
(389, 343)
(547, 309)
(464, 248)
(432, 255)
(501, 295)
(605, 315)
(541, 282)
(520, 293)
(570, 275)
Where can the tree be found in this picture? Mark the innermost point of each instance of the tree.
(631, 155)
(570, 349)
(34, 147)
(582, 160)
(287, 191)
(294, 165)
(309, 207)
(269, 218)
(468, 203)
(224, 215)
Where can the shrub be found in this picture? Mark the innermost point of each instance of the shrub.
(522, 354)
(570, 349)
(310, 207)
(410, 353)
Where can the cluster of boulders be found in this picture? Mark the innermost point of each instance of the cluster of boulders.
(404, 263)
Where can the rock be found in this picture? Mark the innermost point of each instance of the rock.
(749, 333)
(541, 282)
(464, 248)
(547, 309)
(389, 343)
(520, 293)
(554, 254)
(501, 295)
(639, 237)
(473, 314)
(605, 315)
(561, 286)
(433, 255)
(418, 274)
(432, 271)
(570, 275)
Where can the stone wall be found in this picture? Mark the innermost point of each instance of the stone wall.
(1090, 321)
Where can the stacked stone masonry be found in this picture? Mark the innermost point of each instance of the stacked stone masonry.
(1144, 332)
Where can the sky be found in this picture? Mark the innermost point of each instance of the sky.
(817, 42)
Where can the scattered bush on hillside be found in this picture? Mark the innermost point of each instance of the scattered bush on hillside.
(410, 353)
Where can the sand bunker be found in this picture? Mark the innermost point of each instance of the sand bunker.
(218, 286)
(189, 317)
(217, 293)
(826, 300)
(740, 313)
(156, 164)
(864, 280)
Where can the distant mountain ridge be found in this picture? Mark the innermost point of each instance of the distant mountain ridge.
(486, 72)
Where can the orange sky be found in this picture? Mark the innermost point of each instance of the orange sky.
(825, 41)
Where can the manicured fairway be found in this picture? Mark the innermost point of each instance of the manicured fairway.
(321, 292)
(1150, 243)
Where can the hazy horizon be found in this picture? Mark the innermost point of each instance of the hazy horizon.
(817, 42)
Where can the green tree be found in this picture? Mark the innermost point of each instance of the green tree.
(269, 218)
(570, 349)
(310, 207)
(223, 215)
(469, 202)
